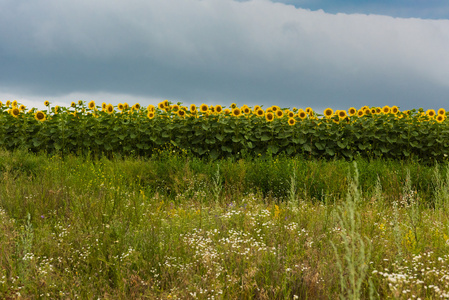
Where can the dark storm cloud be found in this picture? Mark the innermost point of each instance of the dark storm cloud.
(221, 51)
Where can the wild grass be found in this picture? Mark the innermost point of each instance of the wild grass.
(176, 227)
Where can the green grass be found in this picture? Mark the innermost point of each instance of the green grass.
(178, 227)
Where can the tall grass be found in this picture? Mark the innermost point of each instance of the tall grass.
(178, 227)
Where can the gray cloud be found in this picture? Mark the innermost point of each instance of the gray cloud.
(221, 51)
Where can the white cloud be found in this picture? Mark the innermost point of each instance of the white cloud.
(223, 51)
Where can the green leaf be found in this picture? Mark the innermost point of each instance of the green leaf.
(226, 148)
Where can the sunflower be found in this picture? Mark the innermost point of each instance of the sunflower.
(236, 112)
(193, 108)
(39, 115)
(269, 116)
(373, 110)
(269, 109)
(378, 110)
(328, 112)
(1, 103)
(56, 109)
(302, 114)
(120, 106)
(309, 110)
(431, 113)
(22, 107)
(212, 109)
(352, 111)
(125, 105)
(342, 114)
(175, 107)
(291, 114)
(279, 113)
(14, 103)
(109, 108)
(260, 112)
(8, 103)
(440, 118)
(166, 103)
(15, 112)
(181, 113)
(360, 113)
(73, 104)
(204, 108)
(442, 112)
(80, 102)
(161, 105)
(274, 108)
(394, 109)
(257, 107)
(291, 121)
(91, 104)
(233, 105)
(218, 109)
(367, 111)
(150, 115)
(227, 111)
(386, 109)
(246, 110)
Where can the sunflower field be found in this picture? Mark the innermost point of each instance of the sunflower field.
(219, 132)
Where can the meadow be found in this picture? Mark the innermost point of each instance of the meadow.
(170, 202)
(175, 226)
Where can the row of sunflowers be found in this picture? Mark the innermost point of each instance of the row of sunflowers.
(216, 131)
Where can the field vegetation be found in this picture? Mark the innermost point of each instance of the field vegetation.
(177, 226)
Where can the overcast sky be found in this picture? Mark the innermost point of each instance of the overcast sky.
(317, 53)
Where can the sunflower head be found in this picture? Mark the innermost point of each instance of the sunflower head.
(342, 114)
(39, 115)
(175, 107)
(291, 121)
(260, 112)
(394, 109)
(212, 109)
(56, 109)
(193, 108)
(166, 103)
(80, 102)
(233, 105)
(150, 115)
(14, 103)
(279, 113)
(442, 111)
(22, 107)
(360, 113)
(73, 104)
(181, 113)
(227, 111)
(302, 114)
(150, 107)
(109, 108)
(161, 105)
(236, 112)
(386, 109)
(366, 111)
(274, 108)
(91, 104)
(352, 111)
(431, 113)
(256, 107)
(120, 106)
(269, 116)
(8, 103)
(204, 108)
(103, 105)
(290, 114)
(328, 112)
(218, 109)
(440, 118)
(246, 110)
(15, 112)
